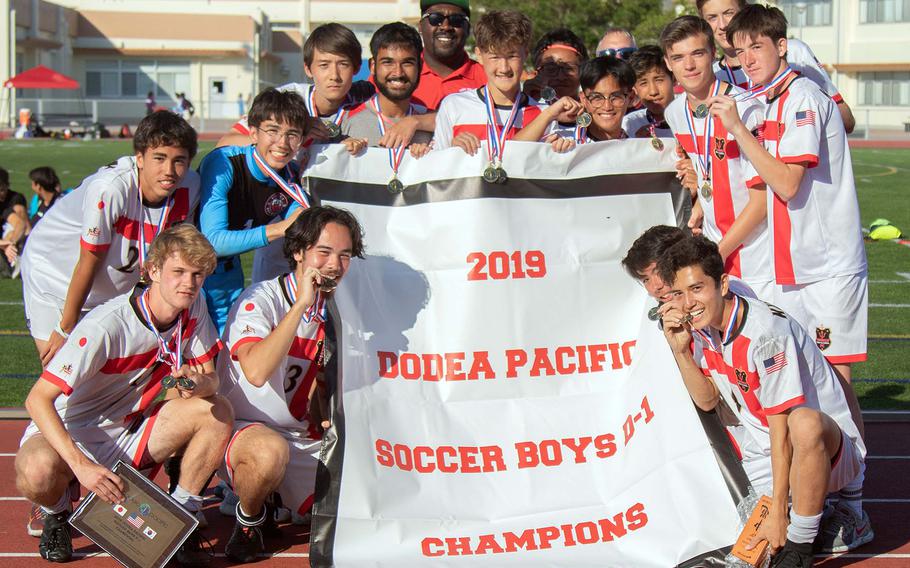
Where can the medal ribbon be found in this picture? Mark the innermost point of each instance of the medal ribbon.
(292, 189)
(395, 154)
(728, 330)
(760, 90)
(581, 134)
(162, 222)
(496, 139)
(165, 354)
(317, 310)
(311, 107)
(704, 161)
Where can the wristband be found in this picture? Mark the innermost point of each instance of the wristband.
(60, 331)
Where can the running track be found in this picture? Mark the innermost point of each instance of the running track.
(887, 493)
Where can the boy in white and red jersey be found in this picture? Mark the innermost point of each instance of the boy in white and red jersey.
(276, 337)
(733, 214)
(89, 247)
(802, 155)
(465, 118)
(96, 402)
(790, 401)
(718, 14)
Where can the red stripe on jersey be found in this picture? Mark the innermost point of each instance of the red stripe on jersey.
(724, 212)
(810, 160)
(207, 356)
(129, 228)
(94, 248)
(306, 505)
(243, 341)
(685, 140)
(356, 110)
(139, 457)
(795, 401)
(58, 382)
(300, 400)
(240, 128)
(837, 98)
(842, 359)
(740, 351)
(754, 182)
(123, 365)
(303, 348)
(781, 228)
(736, 449)
(528, 114)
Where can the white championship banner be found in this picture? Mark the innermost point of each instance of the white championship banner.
(502, 398)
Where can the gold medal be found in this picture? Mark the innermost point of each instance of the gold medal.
(334, 129)
(654, 314)
(168, 382)
(706, 191)
(329, 284)
(491, 174)
(186, 384)
(395, 185)
(501, 176)
(701, 111)
(584, 120)
(657, 144)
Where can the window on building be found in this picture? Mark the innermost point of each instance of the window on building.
(807, 13)
(884, 88)
(883, 11)
(134, 79)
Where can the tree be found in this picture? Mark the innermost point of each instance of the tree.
(589, 18)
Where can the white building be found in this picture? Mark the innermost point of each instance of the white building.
(219, 52)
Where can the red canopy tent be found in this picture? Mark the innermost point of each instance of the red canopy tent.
(41, 77)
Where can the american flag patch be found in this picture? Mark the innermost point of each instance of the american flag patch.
(805, 118)
(775, 363)
(135, 520)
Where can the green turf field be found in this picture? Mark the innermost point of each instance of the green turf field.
(881, 383)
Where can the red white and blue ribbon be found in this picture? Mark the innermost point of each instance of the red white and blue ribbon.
(728, 329)
(755, 92)
(292, 189)
(395, 154)
(704, 161)
(310, 102)
(172, 357)
(317, 310)
(496, 137)
(581, 134)
(143, 212)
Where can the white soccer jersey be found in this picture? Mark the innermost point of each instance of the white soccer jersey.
(465, 111)
(638, 125)
(103, 214)
(108, 369)
(283, 400)
(768, 364)
(817, 234)
(801, 60)
(729, 194)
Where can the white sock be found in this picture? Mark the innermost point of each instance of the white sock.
(250, 520)
(803, 529)
(190, 502)
(852, 496)
(62, 504)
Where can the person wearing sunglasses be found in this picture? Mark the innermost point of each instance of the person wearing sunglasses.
(446, 67)
(616, 42)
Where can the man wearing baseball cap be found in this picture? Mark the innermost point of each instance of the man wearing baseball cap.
(444, 28)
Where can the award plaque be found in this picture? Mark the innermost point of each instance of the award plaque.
(143, 531)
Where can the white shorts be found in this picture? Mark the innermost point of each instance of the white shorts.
(42, 312)
(834, 311)
(297, 487)
(847, 465)
(105, 445)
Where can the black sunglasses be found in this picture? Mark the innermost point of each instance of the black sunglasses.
(437, 18)
(621, 53)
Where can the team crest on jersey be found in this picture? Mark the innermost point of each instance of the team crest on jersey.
(93, 232)
(823, 337)
(719, 144)
(66, 369)
(741, 381)
(275, 204)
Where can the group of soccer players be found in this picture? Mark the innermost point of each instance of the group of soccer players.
(762, 298)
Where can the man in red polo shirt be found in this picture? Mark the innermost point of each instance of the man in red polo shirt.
(444, 27)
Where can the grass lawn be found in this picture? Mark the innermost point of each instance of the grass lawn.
(883, 382)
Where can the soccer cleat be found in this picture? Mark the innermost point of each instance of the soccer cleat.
(195, 551)
(842, 531)
(35, 525)
(245, 544)
(56, 542)
(793, 555)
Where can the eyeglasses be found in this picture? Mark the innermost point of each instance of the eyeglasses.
(597, 100)
(621, 53)
(554, 68)
(437, 18)
(292, 136)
